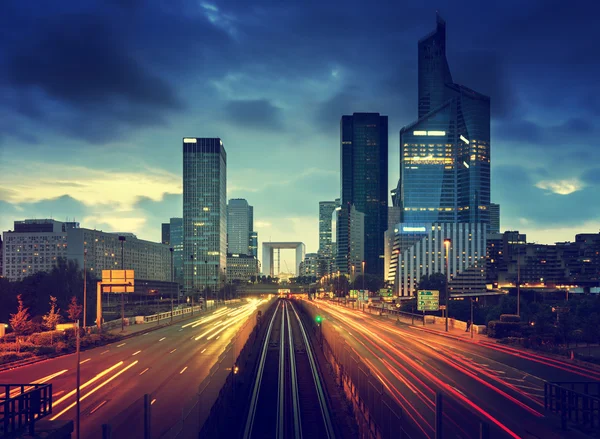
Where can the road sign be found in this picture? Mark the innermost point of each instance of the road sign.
(428, 300)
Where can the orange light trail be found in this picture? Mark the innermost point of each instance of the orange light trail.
(87, 383)
(91, 392)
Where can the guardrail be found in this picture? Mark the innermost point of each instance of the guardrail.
(576, 402)
(21, 405)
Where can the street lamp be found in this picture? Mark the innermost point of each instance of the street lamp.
(192, 262)
(447, 243)
(171, 249)
(122, 239)
(84, 289)
(364, 263)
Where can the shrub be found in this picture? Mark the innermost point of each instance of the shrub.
(498, 329)
(47, 338)
(7, 357)
(44, 350)
(61, 347)
(510, 318)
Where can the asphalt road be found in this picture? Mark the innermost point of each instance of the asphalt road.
(484, 380)
(169, 364)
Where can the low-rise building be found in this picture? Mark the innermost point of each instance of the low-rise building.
(241, 267)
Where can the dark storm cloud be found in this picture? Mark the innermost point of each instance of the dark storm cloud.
(518, 196)
(330, 111)
(91, 71)
(255, 114)
(575, 130)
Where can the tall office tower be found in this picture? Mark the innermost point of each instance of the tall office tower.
(204, 213)
(326, 209)
(165, 233)
(445, 154)
(364, 182)
(494, 218)
(254, 244)
(176, 243)
(240, 222)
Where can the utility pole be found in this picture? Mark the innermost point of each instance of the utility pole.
(172, 280)
(518, 279)
(78, 385)
(122, 239)
(84, 289)
(447, 243)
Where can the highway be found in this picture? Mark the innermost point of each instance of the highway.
(499, 384)
(169, 364)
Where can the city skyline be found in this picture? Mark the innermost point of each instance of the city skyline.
(82, 173)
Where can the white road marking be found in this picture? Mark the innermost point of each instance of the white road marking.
(173, 351)
(102, 353)
(144, 371)
(85, 361)
(135, 353)
(162, 339)
(203, 350)
(183, 370)
(98, 406)
(122, 344)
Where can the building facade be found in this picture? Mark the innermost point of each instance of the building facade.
(419, 251)
(176, 243)
(350, 242)
(445, 154)
(494, 218)
(240, 225)
(37, 245)
(165, 235)
(204, 213)
(326, 209)
(254, 244)
(241, 268)
(310, 265)
(364, 183)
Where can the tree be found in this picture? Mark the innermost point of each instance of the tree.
(74, 310)
(19, 322)
(371, 283)
(53, 317)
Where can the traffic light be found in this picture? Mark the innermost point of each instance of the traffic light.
(318, 319)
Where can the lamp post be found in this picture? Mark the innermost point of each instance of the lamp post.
(84, 289)
(192, 295)
(447, 243)
(122, 239)
(518, 280)
(364, 263)
(171, 249)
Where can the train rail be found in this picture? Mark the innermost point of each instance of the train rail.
(288, 398)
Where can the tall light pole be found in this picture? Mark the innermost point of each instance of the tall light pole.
(171, 249)
(84, 289)
(364, 263)
(192, 262)
(122, 239)
(447, 243)
(518, 278)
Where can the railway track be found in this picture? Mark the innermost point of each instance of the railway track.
(288, 397)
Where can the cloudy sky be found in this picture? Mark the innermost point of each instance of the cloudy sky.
(97, 95)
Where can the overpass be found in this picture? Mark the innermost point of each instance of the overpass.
(255, 289)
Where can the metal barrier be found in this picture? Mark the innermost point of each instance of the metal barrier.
(576, 402)
(21, 405)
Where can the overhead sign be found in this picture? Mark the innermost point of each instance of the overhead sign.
(385, 292)
(118, 281)
(428, 300)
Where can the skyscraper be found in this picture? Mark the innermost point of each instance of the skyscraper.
(165, 233)
(494, 218)
(240, 225)
(444, 185)
(445, 154)
(204, 213)
(176, 242)
(326, 209)
(364, 182)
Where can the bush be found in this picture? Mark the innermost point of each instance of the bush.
(510, 318)
(7, 357)
(61, 347)
(44, 350)
(498, 329)
(47, 338)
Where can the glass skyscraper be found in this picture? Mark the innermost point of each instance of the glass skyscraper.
(445, 154)
(364, 183)
(176, 242)
(240, 224)
(204, 213)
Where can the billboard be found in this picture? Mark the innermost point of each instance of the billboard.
(118, 281)
(428, 300)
